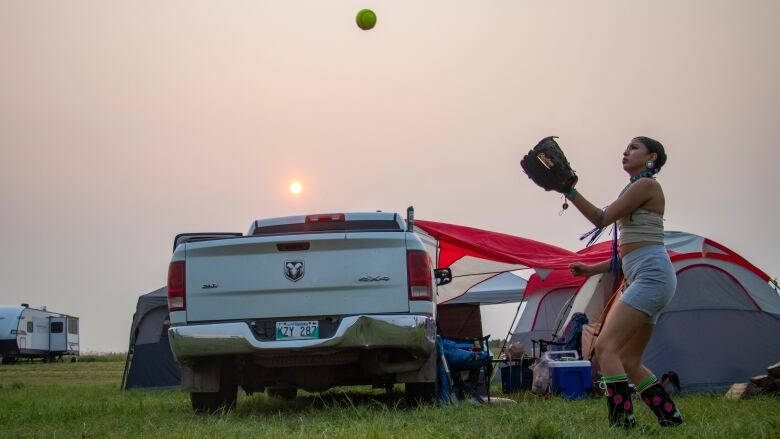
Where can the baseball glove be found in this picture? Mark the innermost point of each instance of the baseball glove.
(547, 166)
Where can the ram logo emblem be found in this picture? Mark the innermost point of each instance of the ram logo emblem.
(293, 270)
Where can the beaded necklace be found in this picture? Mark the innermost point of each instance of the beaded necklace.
(650, 173)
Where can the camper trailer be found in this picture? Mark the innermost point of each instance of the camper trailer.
(36, 333)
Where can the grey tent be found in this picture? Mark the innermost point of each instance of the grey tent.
(150, 363)
(502, 288)
(461, 317)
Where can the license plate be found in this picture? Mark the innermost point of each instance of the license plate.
(297, 330)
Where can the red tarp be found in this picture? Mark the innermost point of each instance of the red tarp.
(475, 255)
(456, 242)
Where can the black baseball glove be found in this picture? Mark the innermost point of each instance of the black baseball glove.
(547, 166)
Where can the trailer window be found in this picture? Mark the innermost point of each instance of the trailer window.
(30, 327)
(56, 327)
(73, 326)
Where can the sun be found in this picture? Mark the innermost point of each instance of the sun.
(296, 187)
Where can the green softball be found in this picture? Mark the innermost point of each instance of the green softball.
(366, 19)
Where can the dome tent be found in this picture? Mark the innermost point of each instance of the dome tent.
(501, 288)
(150, 362)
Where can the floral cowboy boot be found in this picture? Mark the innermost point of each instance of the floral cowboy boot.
(655, 397)
(621, 411)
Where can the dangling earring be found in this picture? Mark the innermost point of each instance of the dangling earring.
(650, 164)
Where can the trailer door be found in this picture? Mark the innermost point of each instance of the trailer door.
(57, 335)
(73, 336)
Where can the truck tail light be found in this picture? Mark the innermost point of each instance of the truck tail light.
(419, 275)
(325, 218)
(176, 287)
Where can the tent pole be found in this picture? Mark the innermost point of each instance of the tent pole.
(127, 358)
(508, 333)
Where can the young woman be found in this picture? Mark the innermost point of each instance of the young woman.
(650, 284)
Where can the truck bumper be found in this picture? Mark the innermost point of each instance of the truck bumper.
(414, 333)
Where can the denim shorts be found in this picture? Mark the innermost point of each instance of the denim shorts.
(650, 281)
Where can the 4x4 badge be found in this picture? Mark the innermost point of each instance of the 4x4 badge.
(293, 270)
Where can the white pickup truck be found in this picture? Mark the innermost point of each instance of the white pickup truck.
(307, 302)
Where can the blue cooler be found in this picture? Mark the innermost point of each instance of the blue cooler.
(570, 376)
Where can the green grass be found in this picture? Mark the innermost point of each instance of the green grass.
(101, 357)
(83, 400)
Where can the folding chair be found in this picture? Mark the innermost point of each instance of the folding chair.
(469, 356)
(544, 346)
(571, 340)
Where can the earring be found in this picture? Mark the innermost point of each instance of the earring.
(650, 164)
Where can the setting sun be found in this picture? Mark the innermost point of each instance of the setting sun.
(295, 187)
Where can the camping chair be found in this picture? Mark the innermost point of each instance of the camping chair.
(469, 356)
(544, 346)
(571, 340)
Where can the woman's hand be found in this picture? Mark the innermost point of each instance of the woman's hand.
(580, 269)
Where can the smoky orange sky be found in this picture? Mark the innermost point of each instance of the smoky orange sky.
(125, 123)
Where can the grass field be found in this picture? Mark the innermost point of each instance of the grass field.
(84, 400)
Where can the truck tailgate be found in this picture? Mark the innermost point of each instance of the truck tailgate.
(272, 276)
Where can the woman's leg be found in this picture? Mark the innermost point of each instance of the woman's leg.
(622, 323)
(652, 393)
(631, 354)
(650, 290)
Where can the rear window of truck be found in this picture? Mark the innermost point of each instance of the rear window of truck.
(324, 227)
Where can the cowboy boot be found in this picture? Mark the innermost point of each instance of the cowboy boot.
(655, 397)
(621, 411)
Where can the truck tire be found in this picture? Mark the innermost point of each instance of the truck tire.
(283, 392)
(211, 402)
(420, 393)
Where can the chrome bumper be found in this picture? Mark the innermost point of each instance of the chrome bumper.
(415, 333)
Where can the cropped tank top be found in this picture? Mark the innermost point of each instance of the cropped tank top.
(642, 225)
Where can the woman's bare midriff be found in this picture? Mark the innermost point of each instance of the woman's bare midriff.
(625, 249)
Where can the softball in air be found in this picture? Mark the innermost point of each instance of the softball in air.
(366, 19)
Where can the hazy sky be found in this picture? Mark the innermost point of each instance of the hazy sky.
(124, 123)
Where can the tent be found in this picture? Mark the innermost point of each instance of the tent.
(720, 328)
(501, 288)
(479, 260)
(149, 362)
(541, 314)
(461, 317)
